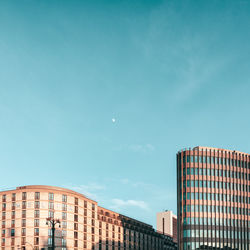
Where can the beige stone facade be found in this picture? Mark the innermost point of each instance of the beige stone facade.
(166, 223)
(83, 224)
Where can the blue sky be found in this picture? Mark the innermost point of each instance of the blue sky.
(173, 74)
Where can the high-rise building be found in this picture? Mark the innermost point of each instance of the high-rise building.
(166, 223)
(213, 199)
(83, 224)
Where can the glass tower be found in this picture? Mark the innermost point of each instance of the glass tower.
(213, 187)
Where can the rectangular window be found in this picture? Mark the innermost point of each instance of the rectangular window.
(24, 195)
(51, 196)
(64, 207)
(37, 204)
(51, 205)
(64, 216)
(37, 195)
(196, 159)
(13, 197)
(37, 213)
(76, 201)
(23, 213)
(64, 198)
(51, 214)
(36, 222)
(24, 205)
(36, 231)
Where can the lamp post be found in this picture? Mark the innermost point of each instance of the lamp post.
(52, 223)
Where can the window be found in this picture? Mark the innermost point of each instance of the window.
(13, 206)
(51, 214)
(64, 198)
(51, 196)
(23, 231)
(37, 195)
(49, 241)
(63, 242)
(36, 231)
(37, 204)
(24, 196)
(37, 213)
(13, 197)
(36, 222)
(36, 241)
(64, 216)
(23, 213)
(76, 243)
(76, 209)
(4, 198)
(76, 201)
(12, 232)
(24, 204)
(75, 235)
(64, 207)
(51, 205)
(64, 224)
(23, 223)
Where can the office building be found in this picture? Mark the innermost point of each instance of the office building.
(166, 223)
(213, 199)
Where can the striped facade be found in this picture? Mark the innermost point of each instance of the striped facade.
(213, 197)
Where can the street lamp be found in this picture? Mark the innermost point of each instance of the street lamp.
(52, 223)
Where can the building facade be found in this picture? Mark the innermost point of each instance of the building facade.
(83, 224)
(166, 223)
(213, 196)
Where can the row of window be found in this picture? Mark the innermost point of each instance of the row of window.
(50, 197)
(208, 245)
(215, 196)
(215, 172)
(216, 160)
(216, 184)
(36, 223)
(215, 221)
(211, 233)
(23, 241)
(216, 209)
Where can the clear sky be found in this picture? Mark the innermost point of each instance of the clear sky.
(173, 74)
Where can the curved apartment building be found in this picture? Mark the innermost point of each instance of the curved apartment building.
(213, 199)
(83, 224)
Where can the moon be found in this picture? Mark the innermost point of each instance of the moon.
(113, 120)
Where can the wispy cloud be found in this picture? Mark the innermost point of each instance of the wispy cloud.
(136, 148)
(89, 190)
(142, 147)
(119, 203)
